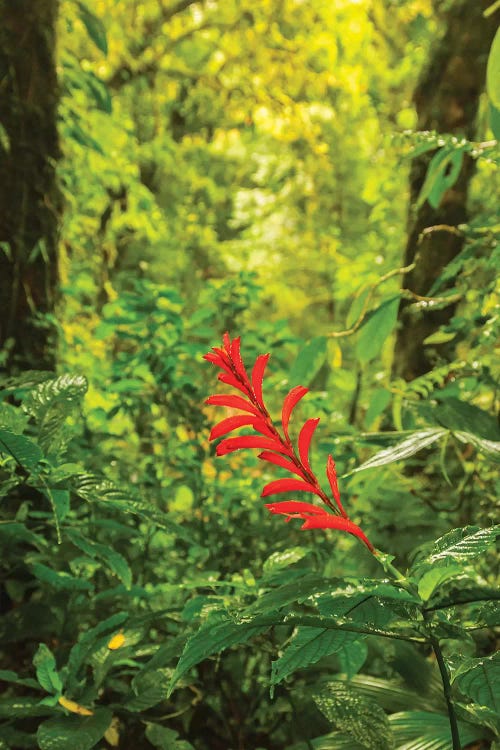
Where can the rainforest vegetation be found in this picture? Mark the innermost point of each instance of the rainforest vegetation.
(249, 435)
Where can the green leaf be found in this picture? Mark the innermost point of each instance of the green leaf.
(95, 27)
(59, 580)
(493, 72)
(150, 688)
(357, 306)
(467, 542)
(309, 361)
(394, 695)
(7, 675)
(116, 562)
(457, 415)
(20, 708)
(490, 447)
(163, 738)
(495, 121)
(445, 177)
(479, 680)
(363, 720)
(424, 730)
(296, 591)
(308, 646)
(442, 174)
(87, 642)
(434, 577)
(211, 638)
(376, 329)
(24, 451)
(352, 657)
(75, 732)
(408, 447)
(46, 670)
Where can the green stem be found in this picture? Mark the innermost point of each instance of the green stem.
(455, 736)
(384, 560)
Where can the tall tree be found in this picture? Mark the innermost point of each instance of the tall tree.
(447, 100)
(30, 201)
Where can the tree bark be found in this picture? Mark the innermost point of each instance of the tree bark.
(30, 201)
(447, 100)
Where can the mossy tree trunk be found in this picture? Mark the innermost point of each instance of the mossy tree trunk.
(30, 201)
(447, 101)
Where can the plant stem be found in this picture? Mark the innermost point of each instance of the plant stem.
(455, 736)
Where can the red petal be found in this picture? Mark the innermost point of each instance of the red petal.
(304, 442)
(291, 400)
(260, 426)
(237, 360)
(234, 402)
(288, 485)
(226, 341)
(229, 379)
(213, 357)
(247, 441)
(285, 463)
(293, 506)
(329, 521)
(331, 473)
(230, 424)
(258, 376)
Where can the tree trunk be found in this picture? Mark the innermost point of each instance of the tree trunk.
(30, 201)
(447, 100)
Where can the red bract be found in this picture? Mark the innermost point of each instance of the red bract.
(276, 448)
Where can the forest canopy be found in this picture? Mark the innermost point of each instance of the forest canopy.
(249, 430)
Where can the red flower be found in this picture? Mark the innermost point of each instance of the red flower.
(276, 448)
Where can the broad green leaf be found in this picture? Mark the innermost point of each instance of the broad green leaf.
(352, 656)
(408, 447)
(20, 708)
(445, 178)
(98, 489)
(490, 447)
(95, 27)
(493, 72)
(457, 415)
(308, 362)
(59, 580)
(308, 646)
(116, 562)
(357, 306)
(298, 591)
(495, 121)
(394, 695)
(46, 670)
(376, 329)
(75, 732)
(479, 680)
(440, 337)
(7, 675)
(442, 173)
(24, 451)
(467, 542)
(150, 688)
(363, 720)
(163, 738)
(284, 558)
(63, 389)
(434, 577)
(212, 638)
(83, 648)
(425, 730)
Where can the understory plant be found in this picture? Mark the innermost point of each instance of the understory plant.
(434, 608)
